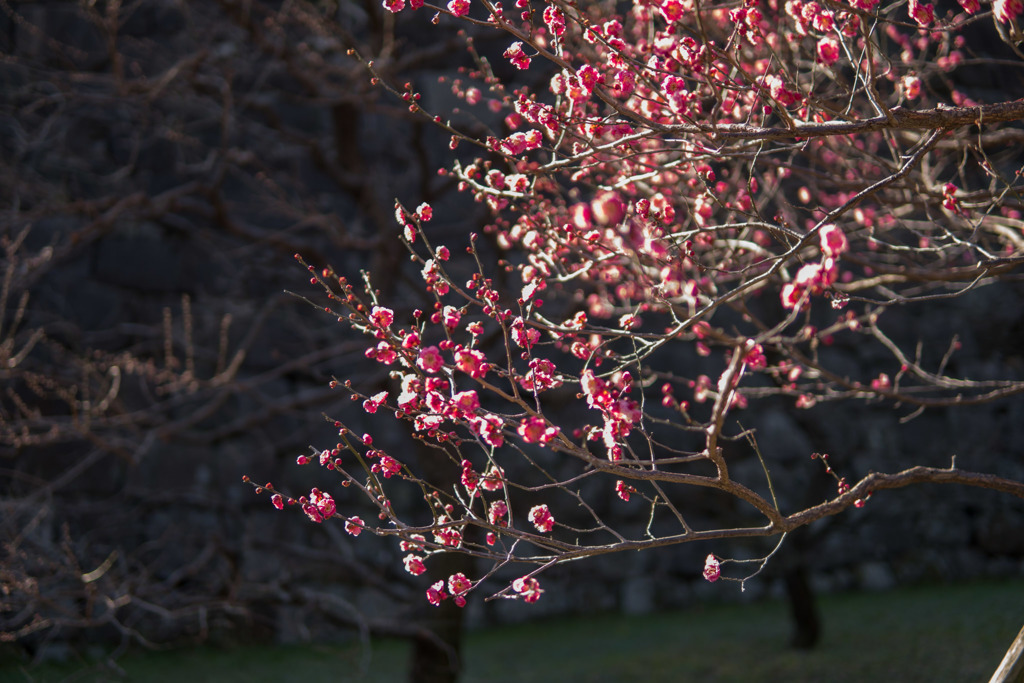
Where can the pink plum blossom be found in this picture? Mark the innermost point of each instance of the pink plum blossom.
(451, 317)
(414, 542)
(497, 512)
(554, 19)
(828, 50)
(493, 479)
(911, 85)
(1007, 10)
(528, 587)
(541, 518)
(435, 594)
(387, 466)
(458, 584)
(320, 506)
(382, 317)
(712, 568)
(488, 427)
(430, 360)
(536, 430)
(466, 401)
(371, 404)
(522, 335)
(459, 8)
(833, 240)
(472, 362)
(516, 55)
(354, 526)
(414, 564)
(922, 13)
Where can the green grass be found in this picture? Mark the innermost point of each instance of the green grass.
(956, 633)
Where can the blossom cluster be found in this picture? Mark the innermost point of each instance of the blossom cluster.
(672, 205)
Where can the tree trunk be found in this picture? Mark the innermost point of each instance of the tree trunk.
(803, 608)
(438, 659)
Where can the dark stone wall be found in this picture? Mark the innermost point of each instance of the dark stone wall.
(160, 168)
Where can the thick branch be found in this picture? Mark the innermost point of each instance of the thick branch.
(942, 118)
(1011, 669)
(915, 475)
(941, 273)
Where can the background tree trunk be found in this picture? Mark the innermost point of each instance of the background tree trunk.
(803, 608)
(439, 660)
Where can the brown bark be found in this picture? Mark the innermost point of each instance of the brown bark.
(1011, 669)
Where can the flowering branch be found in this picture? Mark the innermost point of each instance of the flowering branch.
(695, 203)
